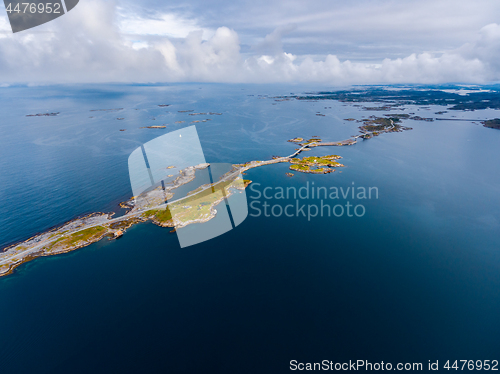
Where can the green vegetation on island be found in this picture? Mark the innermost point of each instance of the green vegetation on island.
(310, 169)
(77, 239)
(317, 160)
(85, 235)
(161, 217)
(315, 164)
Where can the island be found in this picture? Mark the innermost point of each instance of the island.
(375, 126)
(315, 165)
(492, 123)
(154, 127)
(43, 114)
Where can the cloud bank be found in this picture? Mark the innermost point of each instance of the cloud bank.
(93, 44)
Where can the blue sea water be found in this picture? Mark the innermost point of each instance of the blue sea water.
(415, 279)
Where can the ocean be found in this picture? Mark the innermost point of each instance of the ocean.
(415, 278)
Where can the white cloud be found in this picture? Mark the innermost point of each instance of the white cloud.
(95, 43)
(486, 48)
(166, 24)
(272, 42)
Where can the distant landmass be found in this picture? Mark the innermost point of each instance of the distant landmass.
(455, 97)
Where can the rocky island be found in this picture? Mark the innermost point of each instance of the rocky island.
(492, 123)
(154, 127)
(315, 165)
(43, 114)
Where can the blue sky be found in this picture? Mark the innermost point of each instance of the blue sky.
(322, 41)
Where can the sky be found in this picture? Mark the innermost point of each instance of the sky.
(331, 42)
